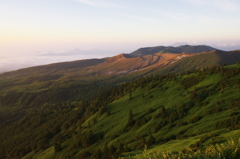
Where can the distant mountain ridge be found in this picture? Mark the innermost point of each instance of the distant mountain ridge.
(141, 62)
(51, 116)
(59, 95)
(171, 49)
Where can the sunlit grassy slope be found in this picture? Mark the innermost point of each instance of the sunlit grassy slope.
(210, 59)
(195, 103)
(191, 111)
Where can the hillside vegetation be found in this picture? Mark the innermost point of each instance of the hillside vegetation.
(119, 106)
(171, 49)
(167, 112)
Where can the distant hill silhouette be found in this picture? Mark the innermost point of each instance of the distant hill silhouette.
(171, 49)
(140, 62)
(95, 109)
(124, 67)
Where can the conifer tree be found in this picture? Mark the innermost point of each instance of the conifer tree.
(130, 94)
(130, 118)
(105, 151)
(120, 148)
(57, 147)
(112, 150)
(150, 141)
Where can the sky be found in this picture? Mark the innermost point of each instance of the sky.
(29, 28)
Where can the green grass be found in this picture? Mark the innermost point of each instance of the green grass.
(46, 154)
(171, 95)
(209, 80)
(200, 119)
(173, 150)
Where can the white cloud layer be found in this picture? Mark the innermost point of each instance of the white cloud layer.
(9, 63)
(14, 63)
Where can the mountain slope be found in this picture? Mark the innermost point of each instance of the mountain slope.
(83, 79)
(47, 105)
(53, 68)
(124, 64)
(170, 49)
(61, 81)
(209, 59)
(195, 109)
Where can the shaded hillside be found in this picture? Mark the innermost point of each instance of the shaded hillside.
(120, 64)
(147, 51)
(171, 49)
(195, 109)
(53, 68)
(86, 77)
(213, 58)
(58, 103)
(188, 49)
(125, 64)
(163, 63)
(235, 55)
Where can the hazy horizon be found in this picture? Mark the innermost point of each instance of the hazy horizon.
(31, 28)
(10, 63)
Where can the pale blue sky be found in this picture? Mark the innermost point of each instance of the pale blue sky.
(42, 26)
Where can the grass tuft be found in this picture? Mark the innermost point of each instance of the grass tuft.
(227, 150)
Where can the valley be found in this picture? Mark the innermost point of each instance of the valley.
(148, 102)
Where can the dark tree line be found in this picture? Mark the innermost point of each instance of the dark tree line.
(48, 118)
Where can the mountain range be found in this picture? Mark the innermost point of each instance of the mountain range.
(171, 49)
(143, 61)
(115, 105)
(95, 74)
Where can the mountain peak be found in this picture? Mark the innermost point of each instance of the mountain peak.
(217, 51)
(171, 49)
(117, 58)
